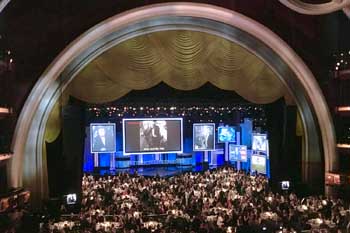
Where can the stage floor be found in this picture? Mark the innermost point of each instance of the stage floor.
(155, 171)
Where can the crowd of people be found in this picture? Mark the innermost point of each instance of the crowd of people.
(222, 200)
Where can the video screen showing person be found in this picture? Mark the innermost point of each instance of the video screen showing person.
(260, 142)
(102, 138)
(204, 137)
(152, 135)
(226, 134)
(71, 199)
(258, 164)
(285, 185)
(238, 153)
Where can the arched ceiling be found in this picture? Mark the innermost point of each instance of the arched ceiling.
(182, 59)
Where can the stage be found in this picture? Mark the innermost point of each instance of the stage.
(155, 171)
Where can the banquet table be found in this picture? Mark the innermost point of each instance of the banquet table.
(107, 224)
(62, 224)
(269, 215)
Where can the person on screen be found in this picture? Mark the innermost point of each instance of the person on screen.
(199, 142)
(71, 198)
(260, 143)
(209, 137)
(146, 128)
(226, 135)
(153, 135)
(102, 141)
(156, 137)
(158, 134)
(204, 138)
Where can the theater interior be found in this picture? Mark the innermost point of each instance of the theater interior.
(167, 116)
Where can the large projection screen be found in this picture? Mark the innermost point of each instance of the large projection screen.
(204, 137)
(102, 138)
(152, 135)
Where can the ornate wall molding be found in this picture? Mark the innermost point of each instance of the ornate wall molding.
(3, 4)
(318, 9)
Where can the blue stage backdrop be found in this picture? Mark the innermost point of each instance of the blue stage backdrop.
(246, 132)
(216, 159)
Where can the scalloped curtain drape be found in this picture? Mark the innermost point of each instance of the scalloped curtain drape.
(184, 60)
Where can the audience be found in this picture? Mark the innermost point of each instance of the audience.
(222, 200)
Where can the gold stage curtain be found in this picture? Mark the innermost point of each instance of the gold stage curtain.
(184, 60)
(94, 86)
(183, 53)
(133, 65)
(54, 123)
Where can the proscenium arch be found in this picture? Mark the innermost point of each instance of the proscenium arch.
(28, 138)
